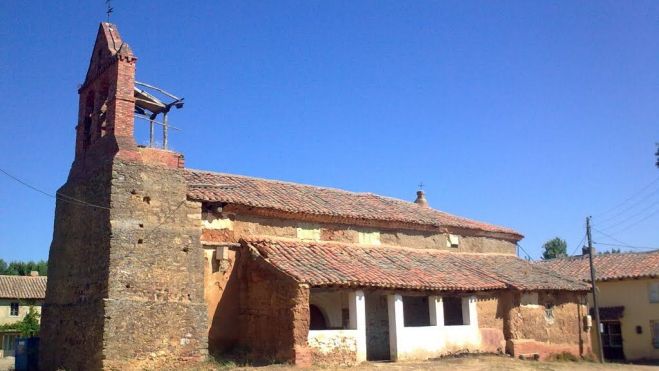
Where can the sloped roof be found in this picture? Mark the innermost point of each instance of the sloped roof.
(325, 264)
(22, 287)
(313, 200)
(607, 266)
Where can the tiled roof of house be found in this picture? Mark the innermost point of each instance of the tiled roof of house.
(22, 287)
(607, 266)
(306, 199)
(324, 264)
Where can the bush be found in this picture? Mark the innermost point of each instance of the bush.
(29, 325)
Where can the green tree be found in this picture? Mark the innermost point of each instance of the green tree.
(22, 268)
(612, 251)
(29, 325)
(554, 248)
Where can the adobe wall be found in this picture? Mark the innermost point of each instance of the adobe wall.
(490, 310)
(551, 324)
(274, 313)
(236, 222)
(222, 295)
(78, 268)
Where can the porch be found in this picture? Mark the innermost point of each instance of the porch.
(347, 327)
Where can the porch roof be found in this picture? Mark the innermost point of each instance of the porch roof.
(331, 264)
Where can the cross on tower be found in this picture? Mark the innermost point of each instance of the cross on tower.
(421, 186)
(110, 8)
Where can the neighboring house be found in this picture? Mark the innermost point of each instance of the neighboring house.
(628, 285)
(17, 295)
(151, 262)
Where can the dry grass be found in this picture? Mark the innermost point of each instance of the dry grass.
(480, 363)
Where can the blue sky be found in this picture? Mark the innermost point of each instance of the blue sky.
(531, 115)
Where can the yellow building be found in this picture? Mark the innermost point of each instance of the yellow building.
(628, 285)
(17, 295)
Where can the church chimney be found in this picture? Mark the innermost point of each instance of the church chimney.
(421, 199)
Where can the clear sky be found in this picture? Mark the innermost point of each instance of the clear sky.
(531, 115)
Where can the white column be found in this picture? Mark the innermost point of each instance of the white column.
(469, 311)
(357, 311)
(436, 308)
(396, 324)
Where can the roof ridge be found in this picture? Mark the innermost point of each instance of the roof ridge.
(406, 209)
(287, 182)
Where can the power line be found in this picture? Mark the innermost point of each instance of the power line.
(58, 195)
(630, 207)
(578, 245)
(646, 217)
(525, 252)
(627, 246)
(649, 207)
(630, 197)
(607, 235)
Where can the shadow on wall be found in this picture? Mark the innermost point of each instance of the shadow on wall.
(224, 331)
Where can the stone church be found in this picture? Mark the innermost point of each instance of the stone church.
(155, 264)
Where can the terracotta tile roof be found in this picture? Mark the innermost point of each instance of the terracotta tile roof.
(22, 287)
(350, 265)
(306, 199)
(607, 266)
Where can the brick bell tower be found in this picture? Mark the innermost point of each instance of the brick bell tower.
(125, 283)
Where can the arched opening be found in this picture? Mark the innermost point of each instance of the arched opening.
(87, 120)
(316, 318)
(102, 110)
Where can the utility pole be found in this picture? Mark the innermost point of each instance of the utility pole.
(592, 280)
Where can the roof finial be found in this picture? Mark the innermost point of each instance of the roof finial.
(110, 8)
(421, 197)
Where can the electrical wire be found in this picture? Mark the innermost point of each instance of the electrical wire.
(57, 195)
(629, 198)
(607, 235)
(578, 245)
(627, 246)
(625, 220)
(525, 252)
(629, 208)
(637, 222)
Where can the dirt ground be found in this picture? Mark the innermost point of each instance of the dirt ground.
(475, 363)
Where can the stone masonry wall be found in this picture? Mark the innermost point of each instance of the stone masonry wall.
(78, 264)
(231, 226)
(274, 313)
(155, 311)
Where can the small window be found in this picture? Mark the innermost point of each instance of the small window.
(309, 232)
(453, 240)
(549, 311)
(13, 309)
(369, 238)
(655, 333)
(653, 292)
(416, 312)
(453, 313)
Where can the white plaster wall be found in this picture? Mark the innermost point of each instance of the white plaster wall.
(409, 343)
(327, 341)
(332, 305)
